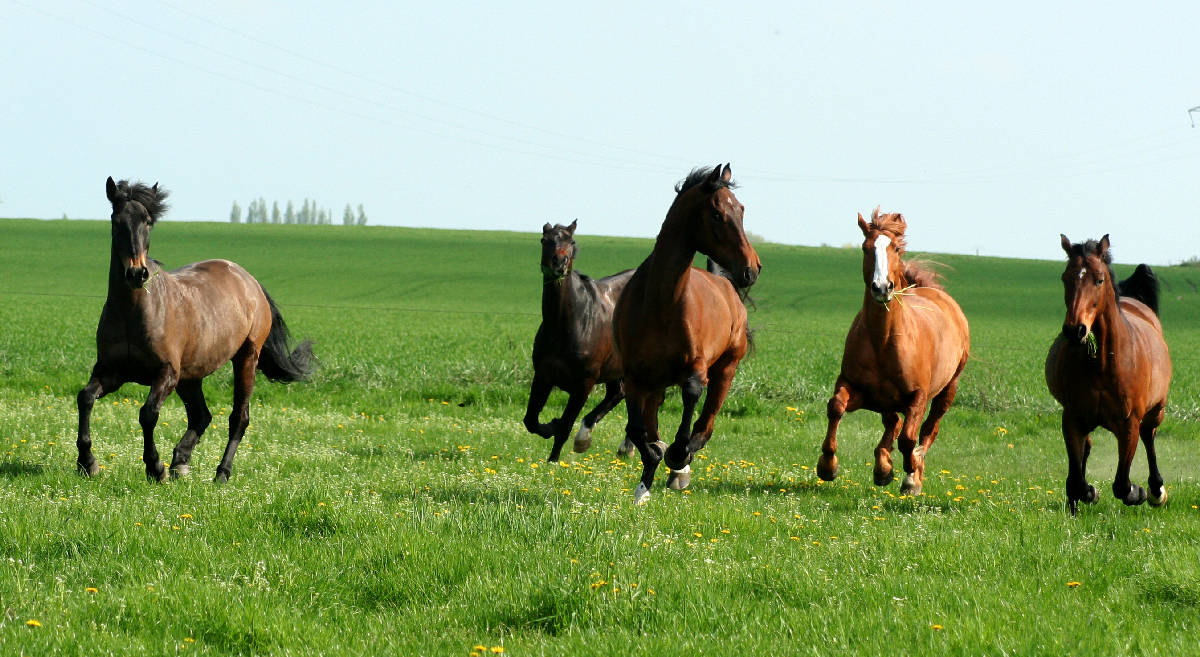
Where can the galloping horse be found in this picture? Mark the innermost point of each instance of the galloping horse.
(170, 329)
(899, 355)
(1109, 368)
(573, 349)
(679, 325)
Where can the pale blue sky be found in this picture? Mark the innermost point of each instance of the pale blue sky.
(989, 125)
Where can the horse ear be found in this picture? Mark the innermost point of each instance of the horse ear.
(862, 224)
(1103, 246)
(727, 174)
(571, 228)
(1066, 243)
(547, 228)
(110, 188)
(715, 175)
(154, 190)
(875, 213)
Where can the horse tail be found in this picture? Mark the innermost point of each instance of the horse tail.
(1142, 285)
(277, 360)
(743, 292)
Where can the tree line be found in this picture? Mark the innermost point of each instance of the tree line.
(309, 213)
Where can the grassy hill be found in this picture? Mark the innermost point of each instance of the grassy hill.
(395, 503)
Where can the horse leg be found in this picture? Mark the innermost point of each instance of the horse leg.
(245, 363)
(914, 459)
(101, 384)
(937, 410)
(1149, 429)
(845, 399)
(562, 430)
(164, 384)
(1077, 436)
(539, 392)
(884, 472)
(192, 394)
(1126, 491)
(614, 392)
(641, 406)
(679, 455)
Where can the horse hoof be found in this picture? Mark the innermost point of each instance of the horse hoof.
(89, 470)
(827, 467)
(1158, 501)
(679, 479)
(641, 494)
(885, 478)
(180, 471)
(583, 440)
(658, 450)
(1093, 495)
(626, 449)
(910, 486)
(1136, 496)
(157, 473)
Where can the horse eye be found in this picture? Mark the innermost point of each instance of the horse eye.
(1099, 282)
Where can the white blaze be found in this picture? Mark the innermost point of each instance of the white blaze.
(881, 260)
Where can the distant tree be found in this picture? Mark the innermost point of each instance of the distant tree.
(276, 218)
(289, 217)
(235, 215)
(348, 216)
(262, 210)
(302, 215)
(362, 216)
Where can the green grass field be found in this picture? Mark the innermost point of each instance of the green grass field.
(395, 504)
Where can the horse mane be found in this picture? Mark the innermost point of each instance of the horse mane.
(151, 198)
(917, 271)
(700, 175)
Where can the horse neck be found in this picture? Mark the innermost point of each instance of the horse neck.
(560, 298)
(883, 322)
(1112, 330)
(670, 263)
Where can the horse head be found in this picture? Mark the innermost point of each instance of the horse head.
(717, 232)
(883, 244)
(136, 208)
(1087, 282)
(558, 250)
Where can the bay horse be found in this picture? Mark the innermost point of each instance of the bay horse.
(170, 329)
(1109, 368)
(905, 350)
(573, 349)
(676, 324)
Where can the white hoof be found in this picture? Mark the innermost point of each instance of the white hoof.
(180, 471)
(640, 494)
(1158, 501)
(583, 440)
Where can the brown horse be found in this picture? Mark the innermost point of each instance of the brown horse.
(573, 349)
(676, 324)
(170, 329)
(1109, 368)
(907, 346)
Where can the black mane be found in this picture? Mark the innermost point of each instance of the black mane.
(700, 175)
(151, 198)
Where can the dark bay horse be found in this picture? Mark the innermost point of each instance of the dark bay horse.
(676, 324)
(906, 349)
(1109, 368)
(573, 349)
(170, 329)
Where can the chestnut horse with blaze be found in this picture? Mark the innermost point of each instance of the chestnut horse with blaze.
(1109, 368)
(676, 324)
(906, 349)
(170, 329)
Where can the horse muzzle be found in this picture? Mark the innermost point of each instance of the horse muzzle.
(1078, 332)
(554, 272)
(883, 293)
(749, 276)
(136, 277)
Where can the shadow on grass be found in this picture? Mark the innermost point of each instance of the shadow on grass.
(13, 469)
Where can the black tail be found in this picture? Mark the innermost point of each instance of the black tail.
(1142, 285)
(278, 361)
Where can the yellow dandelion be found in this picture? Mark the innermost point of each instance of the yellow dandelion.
(320, 504)
(724, 531)
(189, 640)
(790, 408)
(712, 540)
(1074, 584)
(1147, 530)
(175, 527)
(937, 627)
(472, 654)
(794, 538)
(596, 585)
(566, 492)
(33, 622)
(185, 516)
(497, 649)
(945, 472)
(697, 534)
(816, 542)
(1010, 446)
(92, 589)
(476, 647)
(137, 524)
(651, 591)
(756, 513)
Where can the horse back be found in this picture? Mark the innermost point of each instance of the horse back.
(1151, 351)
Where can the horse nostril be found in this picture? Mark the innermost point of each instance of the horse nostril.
(1081, 331)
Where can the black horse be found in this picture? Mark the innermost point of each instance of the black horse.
(573, 349)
